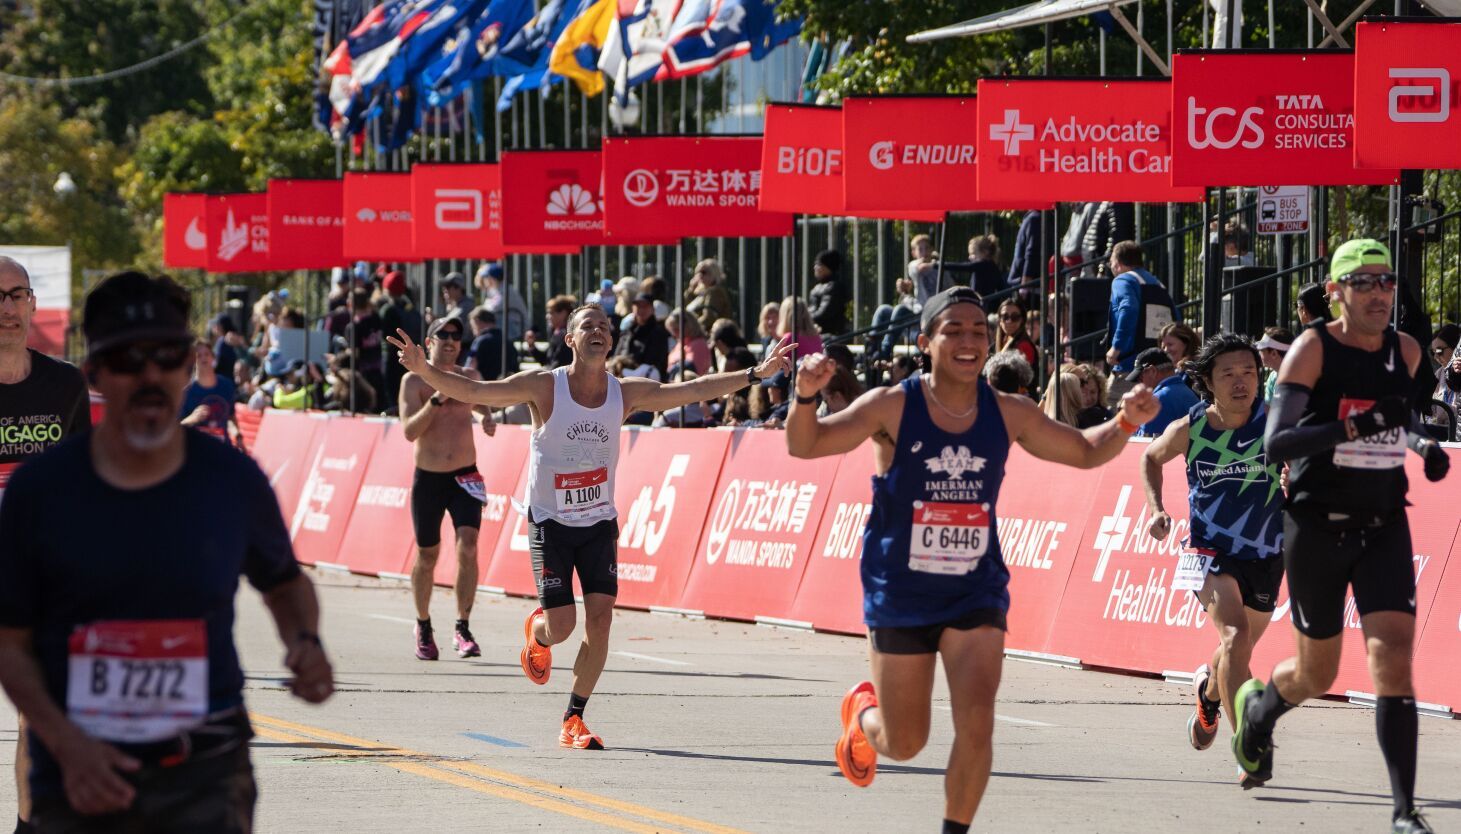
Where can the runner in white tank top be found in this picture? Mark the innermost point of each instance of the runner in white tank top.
(577, 411)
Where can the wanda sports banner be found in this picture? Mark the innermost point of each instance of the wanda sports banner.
(801, 163)
(1077, 140)
(238, 233)
(306, 224)
(686, 186)
(1407, 108)
(457, 211)
(1264, 118)
(830, 594)
(378, 217)
(184, 230)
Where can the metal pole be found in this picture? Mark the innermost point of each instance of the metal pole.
(856, 274)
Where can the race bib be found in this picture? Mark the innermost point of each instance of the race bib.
(1192, 569)
(948, 539)
(1158, 316)
(580, 490)
(1381, 451)
(472, 483)
(137, 681)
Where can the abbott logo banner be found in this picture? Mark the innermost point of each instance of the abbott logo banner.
(1406, 76)
(1425, 103)
(457, 211)
(458, 208)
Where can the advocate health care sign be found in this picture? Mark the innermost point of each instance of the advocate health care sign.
(1075, 140)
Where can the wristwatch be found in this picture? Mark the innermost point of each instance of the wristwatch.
(436, 400)
(808, 400)
(751, 378)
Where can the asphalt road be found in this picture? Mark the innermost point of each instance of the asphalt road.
(724, 727)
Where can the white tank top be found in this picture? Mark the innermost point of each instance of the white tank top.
(573, 456)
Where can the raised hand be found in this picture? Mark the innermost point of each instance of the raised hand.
(412, 355)
(777, 359)
(814, 374)
(1140, 405)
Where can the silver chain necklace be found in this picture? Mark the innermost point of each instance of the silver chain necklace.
(928, 389)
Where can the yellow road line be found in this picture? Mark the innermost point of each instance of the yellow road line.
(461, 774)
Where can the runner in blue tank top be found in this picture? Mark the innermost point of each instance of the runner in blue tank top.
(1231, 558)
(934, 581)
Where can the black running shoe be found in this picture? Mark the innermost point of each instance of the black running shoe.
(1411, 823)
(1254, 756)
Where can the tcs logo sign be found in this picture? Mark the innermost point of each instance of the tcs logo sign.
(1219, 130)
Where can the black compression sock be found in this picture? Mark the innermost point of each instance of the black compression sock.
(1270, 707)
(951, 827)
(462, 625)
(23, 827)
(1396, 725)
(426, 623)
(576, 703)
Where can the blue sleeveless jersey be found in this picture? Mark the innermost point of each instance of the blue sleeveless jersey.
(930, 552)
(1233, 491)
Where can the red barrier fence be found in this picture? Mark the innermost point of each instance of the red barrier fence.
(726, 523)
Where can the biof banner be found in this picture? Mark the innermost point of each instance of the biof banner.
(671, 187)
(457, 211)
(238, 233)
(1407, 108)
(378, 217)
(306, 224)
(552, 198)
(1266, 118)
(184, 230)
(801, 164)
(1077, 140)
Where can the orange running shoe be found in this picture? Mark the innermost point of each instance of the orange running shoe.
(537, 660)
(856, 758)
(577, 736)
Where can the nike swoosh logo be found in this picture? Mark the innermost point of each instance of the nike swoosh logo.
(1244, 445)
(1299, 615)
(1390, 362)
(1412, 602)
(173, 642)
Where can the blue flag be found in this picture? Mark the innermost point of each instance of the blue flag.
(471, 54)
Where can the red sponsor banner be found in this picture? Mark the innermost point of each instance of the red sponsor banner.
(184, 230)
(378, 538)
(457, 210)
(1264, 118)
(378, 217)
(1407, 94)
(499, 460)
(830, 594)
(552, 198)
(332, 476)
(1437, 674)
(660, 188)
(758, 537)
(663, 491)
(238, 232)
(306, 224)
(285, 443)
(1075, 140)
(801, 164)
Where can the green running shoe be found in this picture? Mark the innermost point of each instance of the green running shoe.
(1258, 769)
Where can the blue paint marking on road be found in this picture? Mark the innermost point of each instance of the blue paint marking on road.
(500, 742)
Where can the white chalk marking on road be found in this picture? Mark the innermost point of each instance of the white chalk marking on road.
(1008, 719)
(388, 618)
(638, 656)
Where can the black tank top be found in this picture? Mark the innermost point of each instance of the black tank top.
(1361, 476)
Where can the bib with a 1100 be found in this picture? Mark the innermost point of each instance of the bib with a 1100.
(138, 681)
(580, 491)
(1385, 450)
(948, 538)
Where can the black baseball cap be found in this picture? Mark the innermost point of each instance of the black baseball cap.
(946, 299)
(437, 326)
(1150, 358)
(132, 307)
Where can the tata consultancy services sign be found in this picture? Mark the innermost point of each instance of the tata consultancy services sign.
(1407, 83)
(1258, 118)
(1076, 140)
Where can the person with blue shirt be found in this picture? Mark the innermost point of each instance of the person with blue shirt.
(934, 580)
(1140, 308)
(1232, 557)
(1154, 369)
(208, 401)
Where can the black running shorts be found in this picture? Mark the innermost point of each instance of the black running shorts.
(924, 639)
(433, 495)
(1258, 579)
(1324, 554)
(558, 550)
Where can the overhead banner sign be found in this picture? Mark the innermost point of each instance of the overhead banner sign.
(1258, 118)
(238, 233)
(686, 186)
(457, 211)
(184, 230)
(552, 198)
(801, 164)
(378, 217)
(1407, 108)
(1079, 140)
(306, 224)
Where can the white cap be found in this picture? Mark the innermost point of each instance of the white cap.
(1268, 342)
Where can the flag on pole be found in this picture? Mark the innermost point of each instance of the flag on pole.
(471, 54)
(576, 54)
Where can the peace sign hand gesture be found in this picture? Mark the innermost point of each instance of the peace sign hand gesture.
(412, 356)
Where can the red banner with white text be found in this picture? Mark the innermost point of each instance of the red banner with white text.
(499, 460)
(378, 217)
(456, 210)
(238, 233)
(552, 198)
(1407, 108)
(285, 442)
(184, 230)
(306, 224)
(332, 476)
(378, 538)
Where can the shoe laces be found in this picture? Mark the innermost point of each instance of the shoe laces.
(465, 634)
(426, 637)
(1209, 713)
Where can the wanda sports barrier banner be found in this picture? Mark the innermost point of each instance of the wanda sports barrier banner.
(378, 217)
(1407, 108)
(184, 230)
(686, 186)
(1077, 140)
(1264, 118)
(238, 233)
(801, 163)
(456, 211)
(332, 475)
(306, 224)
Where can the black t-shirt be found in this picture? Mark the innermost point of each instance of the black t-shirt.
(40, 411)
(173, 551)
(487, 352)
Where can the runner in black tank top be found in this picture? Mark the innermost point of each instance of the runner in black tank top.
(1341, 417)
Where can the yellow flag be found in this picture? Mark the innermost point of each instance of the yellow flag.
(590, 28)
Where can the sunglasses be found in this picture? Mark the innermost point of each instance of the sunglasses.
(131, 359)
(449, 333)
(1368, 281)
(1010, 317)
